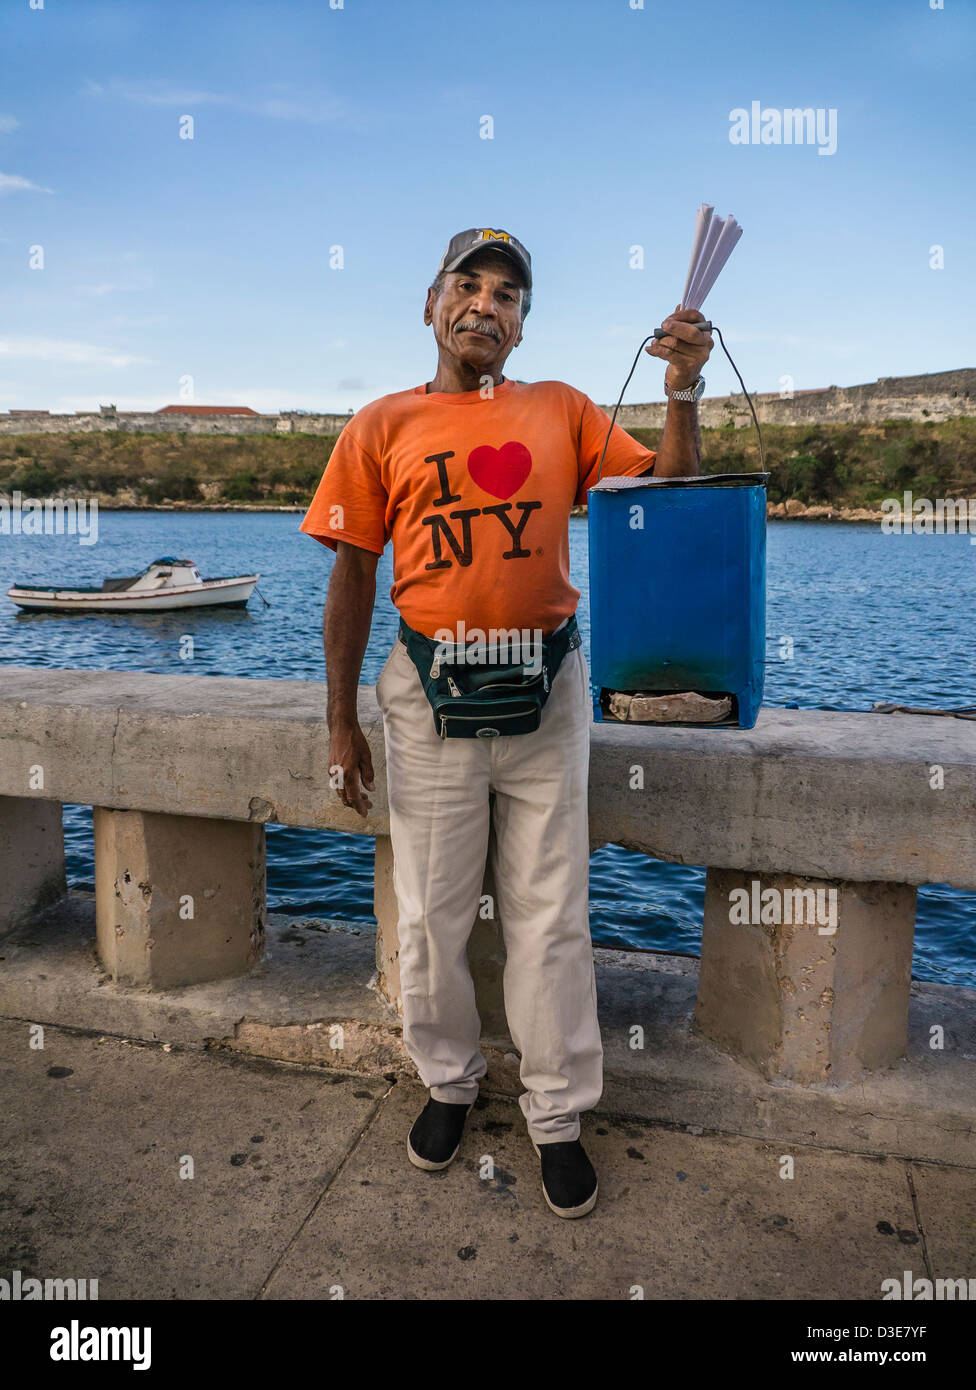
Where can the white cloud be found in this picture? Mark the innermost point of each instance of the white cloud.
(13, 183)
(267, 400)
(110, 287)
(65, 350)
(138, 320)
(153, 93)
(312, 110)
(8, 123)
(63, 405)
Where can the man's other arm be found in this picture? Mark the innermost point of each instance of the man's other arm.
(345, 633)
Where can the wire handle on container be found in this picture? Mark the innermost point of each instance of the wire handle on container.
(659, 333)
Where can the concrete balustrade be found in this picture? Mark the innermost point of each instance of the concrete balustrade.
(185, 771)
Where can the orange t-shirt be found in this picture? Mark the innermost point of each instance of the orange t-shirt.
(475, 494)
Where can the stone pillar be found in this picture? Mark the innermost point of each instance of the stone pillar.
(822, 996)
(486, 950)
(31, 857)
(179, 900)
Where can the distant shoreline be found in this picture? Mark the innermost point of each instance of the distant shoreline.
(815, 473)
(775, 511)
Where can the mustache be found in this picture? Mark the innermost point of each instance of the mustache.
(480, 326)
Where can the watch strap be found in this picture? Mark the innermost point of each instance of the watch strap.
(691, 393)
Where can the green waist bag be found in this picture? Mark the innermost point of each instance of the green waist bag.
(484, 699)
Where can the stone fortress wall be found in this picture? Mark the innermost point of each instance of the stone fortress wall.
(935, 396)
(150, 422)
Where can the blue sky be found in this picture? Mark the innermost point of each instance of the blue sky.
(358, 127)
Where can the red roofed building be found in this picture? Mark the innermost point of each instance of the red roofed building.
(207, 410)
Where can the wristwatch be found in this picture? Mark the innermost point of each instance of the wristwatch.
(694, 392)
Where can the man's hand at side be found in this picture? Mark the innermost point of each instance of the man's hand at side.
(345, 632)
(349, 751)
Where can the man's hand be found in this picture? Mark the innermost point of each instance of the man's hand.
(686, 349)
(349, 751)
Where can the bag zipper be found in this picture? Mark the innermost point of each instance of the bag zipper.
(479, 719)
(509, 685)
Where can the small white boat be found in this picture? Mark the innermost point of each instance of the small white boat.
(164, 585)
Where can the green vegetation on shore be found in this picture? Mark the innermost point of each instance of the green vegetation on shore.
(846, 466)
(851, 465)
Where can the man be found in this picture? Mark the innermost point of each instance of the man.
(472, 476)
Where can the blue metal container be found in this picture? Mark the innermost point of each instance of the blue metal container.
(678, 589)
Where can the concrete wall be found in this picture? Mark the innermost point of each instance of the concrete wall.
(838, 806)
(814, 792)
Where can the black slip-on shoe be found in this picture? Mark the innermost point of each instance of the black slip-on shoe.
(569, 1182)
(436, 1135)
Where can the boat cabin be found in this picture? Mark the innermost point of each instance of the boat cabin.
(167, 573)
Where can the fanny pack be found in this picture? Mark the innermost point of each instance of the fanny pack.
(482, 699)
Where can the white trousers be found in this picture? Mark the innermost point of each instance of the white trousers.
(439, 827)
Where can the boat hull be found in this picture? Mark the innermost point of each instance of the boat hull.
(222, 594)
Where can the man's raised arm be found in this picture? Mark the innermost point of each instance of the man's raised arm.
(345, 633)
(686, 350)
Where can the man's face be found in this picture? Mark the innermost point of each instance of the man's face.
(477, 317)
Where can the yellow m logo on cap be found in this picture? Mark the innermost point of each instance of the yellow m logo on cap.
(488, 235)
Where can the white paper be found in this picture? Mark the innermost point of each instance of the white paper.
(702, 219)
(711, 240)
(714, 241)
(721, 252)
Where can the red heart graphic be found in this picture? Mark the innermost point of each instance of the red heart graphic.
(500, 471)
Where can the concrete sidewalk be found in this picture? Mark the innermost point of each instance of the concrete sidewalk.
(301, 1187)
(318, 976)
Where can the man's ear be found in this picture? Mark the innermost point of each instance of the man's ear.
(429, 307)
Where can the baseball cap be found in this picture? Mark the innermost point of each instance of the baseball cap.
(464, 244)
